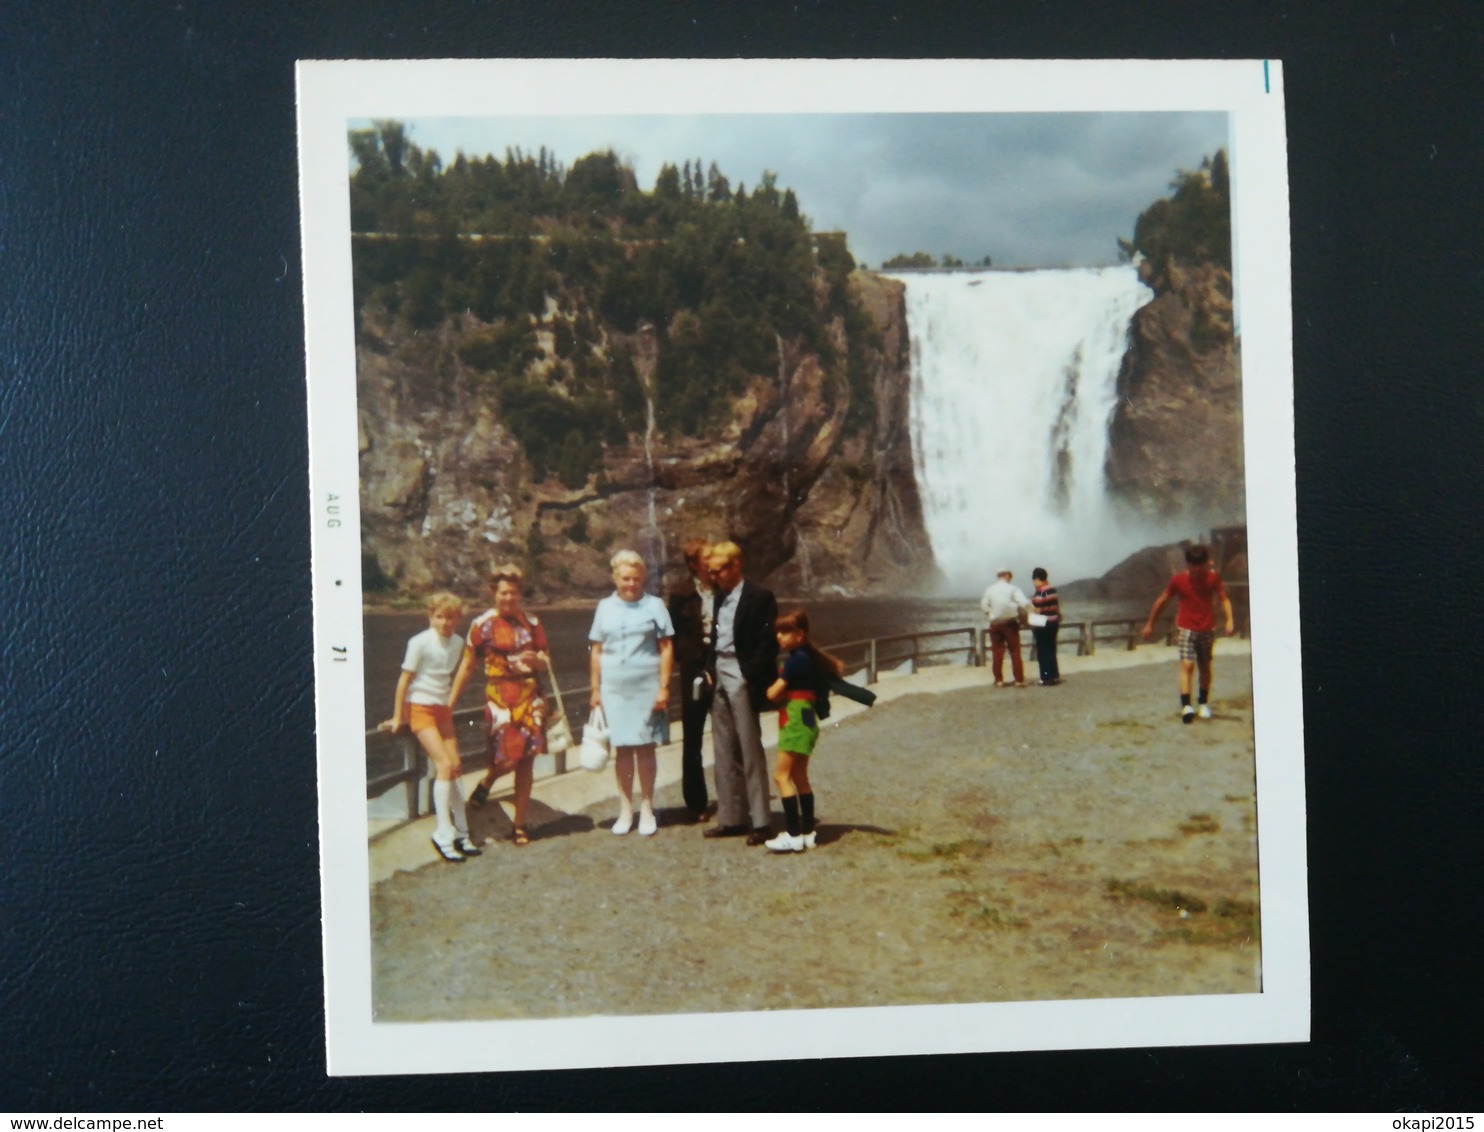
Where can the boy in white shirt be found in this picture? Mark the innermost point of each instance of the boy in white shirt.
(422, 704)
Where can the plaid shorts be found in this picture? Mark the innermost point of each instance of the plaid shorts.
(1195, 644)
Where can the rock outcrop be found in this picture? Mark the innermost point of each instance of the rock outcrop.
(446, 490)
(860, 530)
(1175, 441)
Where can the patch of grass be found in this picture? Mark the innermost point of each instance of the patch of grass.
(976, 908)
(1199, 823)
(1231, 921)
(1163, 897)
(966, 848)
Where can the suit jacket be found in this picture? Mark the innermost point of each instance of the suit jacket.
(690, 634)
(757, 646)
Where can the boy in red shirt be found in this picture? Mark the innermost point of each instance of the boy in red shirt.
(1194, 624)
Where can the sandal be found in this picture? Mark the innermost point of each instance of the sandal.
(520, 837)
(479, 796)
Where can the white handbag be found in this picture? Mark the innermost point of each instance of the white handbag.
(594, 752)
(558, 730)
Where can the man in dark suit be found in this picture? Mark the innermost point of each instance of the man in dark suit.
(690, 614)
(744, 661)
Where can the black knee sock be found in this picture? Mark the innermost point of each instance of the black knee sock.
(1185, 699)
(791, 815)
(1204, 693)
(806, 806)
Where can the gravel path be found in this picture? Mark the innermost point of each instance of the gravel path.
(975, 845)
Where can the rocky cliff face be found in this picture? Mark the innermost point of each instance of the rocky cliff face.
(1175, 442)
(446, 490)
(860, 530)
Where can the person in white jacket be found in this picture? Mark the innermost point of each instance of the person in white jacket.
(1002, 604)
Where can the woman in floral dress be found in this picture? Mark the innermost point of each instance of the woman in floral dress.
(512, 646)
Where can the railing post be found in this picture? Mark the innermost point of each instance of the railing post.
(871, 663)
(413, 785)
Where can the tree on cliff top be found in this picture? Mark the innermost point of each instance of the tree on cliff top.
(1192, 224)
(916, 259)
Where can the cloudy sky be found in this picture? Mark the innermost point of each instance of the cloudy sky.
(1044, 189)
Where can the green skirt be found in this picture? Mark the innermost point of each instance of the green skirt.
(798, 728)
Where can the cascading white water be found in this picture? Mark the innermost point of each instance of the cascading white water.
(1013, 384)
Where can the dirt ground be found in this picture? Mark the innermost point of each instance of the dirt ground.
(976, 845)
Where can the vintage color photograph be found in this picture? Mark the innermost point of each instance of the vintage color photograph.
(803, 563)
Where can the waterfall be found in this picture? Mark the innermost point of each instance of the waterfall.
(1013, 384)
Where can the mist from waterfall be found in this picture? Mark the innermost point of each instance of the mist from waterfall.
(1014, 379)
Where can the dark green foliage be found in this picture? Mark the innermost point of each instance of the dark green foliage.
(1192, 224)
(508, 349)
(720, 277)
(916, 259)
(561, 436)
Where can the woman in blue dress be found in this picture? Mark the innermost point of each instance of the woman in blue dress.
(631, 656)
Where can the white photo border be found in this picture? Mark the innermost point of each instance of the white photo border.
(330, 93)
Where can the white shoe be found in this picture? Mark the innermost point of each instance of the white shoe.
(624, 823)
(647, 824)
(1205, 712)
(1187, 713)
(785, 843)
(809, 839)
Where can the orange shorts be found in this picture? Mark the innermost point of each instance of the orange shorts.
(439, 716)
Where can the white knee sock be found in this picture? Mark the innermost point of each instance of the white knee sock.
(441, 791)
(456, 805)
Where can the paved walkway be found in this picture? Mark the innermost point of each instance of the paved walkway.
(975, 844)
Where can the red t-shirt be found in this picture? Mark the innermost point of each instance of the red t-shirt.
(1195, 593)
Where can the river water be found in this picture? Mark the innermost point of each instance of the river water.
(833, 622)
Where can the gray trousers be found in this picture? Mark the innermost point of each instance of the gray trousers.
(741, 766)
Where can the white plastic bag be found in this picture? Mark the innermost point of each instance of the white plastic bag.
(594, 752)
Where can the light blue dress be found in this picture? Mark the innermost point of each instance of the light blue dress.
(630, 633)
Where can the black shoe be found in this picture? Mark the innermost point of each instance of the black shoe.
(479, 796)
(467, 847)
(449, 853)
(759, 836)
(724, 831)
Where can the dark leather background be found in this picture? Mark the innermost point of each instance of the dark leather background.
(159, 936)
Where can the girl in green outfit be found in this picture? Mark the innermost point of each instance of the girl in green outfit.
(803, 670)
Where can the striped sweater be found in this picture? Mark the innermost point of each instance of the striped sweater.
(1045, 603)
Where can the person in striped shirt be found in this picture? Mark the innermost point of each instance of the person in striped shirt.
(1044, 602)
